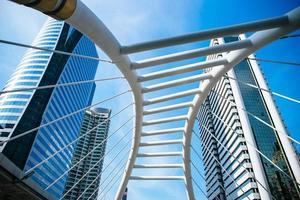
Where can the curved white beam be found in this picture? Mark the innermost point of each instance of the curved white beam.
(206, 35)
(84, 20)
(258, 40)
(191, 54)
(182, 69)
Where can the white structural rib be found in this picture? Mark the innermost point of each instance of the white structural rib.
(183, 69)
(259, 40)
(191, 54)
(177, 82)
(84, 20)
(208, 34)
(165, 120)
(161, 154)
(157, 178)
(172, 96)
(167, 108)
(163, 131)
(159, 166)
(269, 30)
(161, 142)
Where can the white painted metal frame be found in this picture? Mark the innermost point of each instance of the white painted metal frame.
(267, 31)
(84, 20)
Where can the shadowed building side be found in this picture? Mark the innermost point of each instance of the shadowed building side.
(25, 110)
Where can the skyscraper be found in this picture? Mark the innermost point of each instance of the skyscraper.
(25, 110)
(243, 173)
(90, 149)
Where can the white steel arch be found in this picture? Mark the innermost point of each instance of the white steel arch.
(82, 18)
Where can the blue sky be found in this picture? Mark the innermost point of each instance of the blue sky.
(136, 21)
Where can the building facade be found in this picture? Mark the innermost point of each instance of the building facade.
(25, 110)
(84, 176)
(244, 172)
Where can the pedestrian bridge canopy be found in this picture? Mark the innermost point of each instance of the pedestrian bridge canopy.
(263, 32)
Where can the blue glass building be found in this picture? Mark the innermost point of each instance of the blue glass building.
(22, 111)
(250, 172)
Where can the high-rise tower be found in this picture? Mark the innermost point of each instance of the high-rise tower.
(25, 110)
(90, 149)
(244, 172)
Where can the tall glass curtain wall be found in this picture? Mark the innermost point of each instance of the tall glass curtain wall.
(44, 106)
(266, 138)
(216, 114)
(27, 74)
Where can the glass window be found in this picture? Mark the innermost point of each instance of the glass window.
(3, 126)
(38, 61)
(12, 110)
(17, 103)
(4, 134)
(27, 83)
(265, 137)
(9, 117)
(19, 96)
(34, 67)
(32, 72)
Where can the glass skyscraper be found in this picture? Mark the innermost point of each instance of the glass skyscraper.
(23, 111)
(90, 149)
(247, 168)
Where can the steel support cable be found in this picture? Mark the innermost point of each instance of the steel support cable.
(108, 176)
(257, 118)
(97, 189)
(60, 118)
(239, 186)
(96, 147)
(122, 167)
(61, 149)
(88, 133)
(118, 173)
(274, 61)
(266, 90)
(198, 171)
(197, 168)
(47, 159)
(108, 166)
(54, 51)
(255, 148)
(235, 158)
(229, 175)
(198, 186)
(202, 178)
(60, 85)
(226, 194)
(118, 164)
(102, 158)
